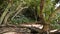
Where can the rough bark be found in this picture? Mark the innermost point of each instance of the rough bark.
(42, 19)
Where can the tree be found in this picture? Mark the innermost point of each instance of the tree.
(43, 9)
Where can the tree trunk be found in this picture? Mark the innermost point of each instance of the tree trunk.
(42, 19)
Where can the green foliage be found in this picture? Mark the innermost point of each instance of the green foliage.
(31, 3)
(12, 9)
(48, 9)
(21, 19)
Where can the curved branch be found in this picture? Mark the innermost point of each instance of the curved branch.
(4, 13)
(19, 11)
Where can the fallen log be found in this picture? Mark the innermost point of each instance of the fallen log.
(32, 28)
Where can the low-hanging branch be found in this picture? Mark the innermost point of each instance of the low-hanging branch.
(8, 15)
